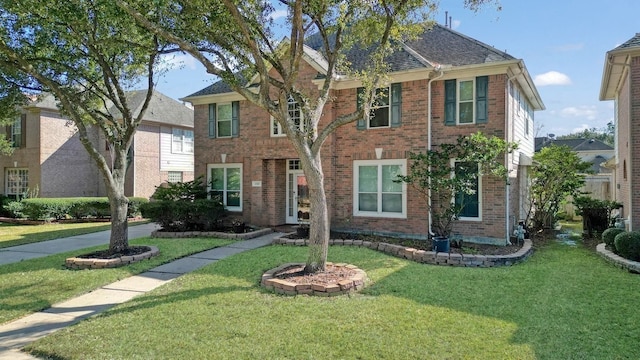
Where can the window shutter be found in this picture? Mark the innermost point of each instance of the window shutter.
(450, 102)
(482, 83)
(396, 105)
(235, 118)
(212, 120)
(360, 124)
(23, 130)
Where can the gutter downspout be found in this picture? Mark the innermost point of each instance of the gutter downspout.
(509, 137)
(439, 69)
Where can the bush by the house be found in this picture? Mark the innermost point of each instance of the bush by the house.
(13, 209)
(63, 208)
(609, 235)
(197, 215)
(628, 245)
(184, 207)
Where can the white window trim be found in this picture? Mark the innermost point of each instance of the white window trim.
(280, 132)
(473, 100)
(218, 121)
(467, 218)
(6, 181)
(183, 141)
(226, 166)
(379, 163)
(373, 109)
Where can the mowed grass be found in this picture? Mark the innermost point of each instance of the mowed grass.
(563, 303)
(36, 284)
(14, 234)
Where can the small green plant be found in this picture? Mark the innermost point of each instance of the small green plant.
(628, 245)
(14, 209)
(609, 235)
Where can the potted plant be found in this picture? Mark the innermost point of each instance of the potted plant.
(446, 175)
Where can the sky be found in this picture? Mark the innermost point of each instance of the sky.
(563, 44)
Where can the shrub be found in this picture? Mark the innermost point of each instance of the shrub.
(185, 191)
(14, 209)
(628, 245)
(609, 235)
(134, 206)
(198, 215)
(77, 208)
(46, 209)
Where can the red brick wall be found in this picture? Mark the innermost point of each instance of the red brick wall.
(634, 141)
(622, 173)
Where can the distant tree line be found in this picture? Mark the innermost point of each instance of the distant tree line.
(604, 134)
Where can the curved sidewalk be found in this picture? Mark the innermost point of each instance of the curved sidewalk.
(19, 333)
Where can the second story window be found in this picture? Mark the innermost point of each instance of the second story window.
(466, 101)
(295, 115)
(15, 132)
(182, 141)
(386, 109)
(224, 120)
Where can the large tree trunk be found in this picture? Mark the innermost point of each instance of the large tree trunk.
(119, 240)
(319, 226)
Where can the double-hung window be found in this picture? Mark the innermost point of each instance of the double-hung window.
(224, 120)
(466, 101)
(295, 115)
(386, 110)
(15, 132)
(225, 183)
(469, 201)
(17, 181)
(182, 141)
(376, 190)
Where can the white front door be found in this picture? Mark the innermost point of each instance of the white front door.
(298, 202)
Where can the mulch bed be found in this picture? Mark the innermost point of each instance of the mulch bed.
(332, 275)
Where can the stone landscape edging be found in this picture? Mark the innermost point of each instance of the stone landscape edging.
(428, 257)
(215, 234)
(617, 260)
(284, 287)
(78, 263)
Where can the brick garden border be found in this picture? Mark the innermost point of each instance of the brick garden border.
(88, 263)
(617, 260)
(284, 287)
(429, 257)
(216, 234)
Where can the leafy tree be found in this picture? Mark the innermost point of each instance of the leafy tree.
(439, 181)
(87, 54)
(606, 134)
(236, 40)
(558, 172)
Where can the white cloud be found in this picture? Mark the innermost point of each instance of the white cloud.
(581, 128)
(455, 24)
(279, 14)
(552, 78)
(177, 61)
(585, 112)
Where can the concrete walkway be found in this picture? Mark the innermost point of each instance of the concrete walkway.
(19, 333)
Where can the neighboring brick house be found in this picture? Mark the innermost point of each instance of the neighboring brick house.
(49, 157)
(445, 83)
(621, 83)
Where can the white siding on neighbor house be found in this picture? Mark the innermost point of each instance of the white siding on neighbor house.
(170, 161)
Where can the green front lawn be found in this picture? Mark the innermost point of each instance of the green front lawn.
(36, 284)
(13, 234)
(563, 303)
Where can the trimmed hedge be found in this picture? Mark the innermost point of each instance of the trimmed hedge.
(609, 235)
(628, 245)
(77, 208)
(197, 215)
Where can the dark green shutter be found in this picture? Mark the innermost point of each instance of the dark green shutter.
(396, 105)
(450, 102)
(212, 120)
(482, 83)
(23, 130)
(235, 118)
(360, 124)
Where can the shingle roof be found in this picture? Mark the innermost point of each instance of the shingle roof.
(573, 144)
(162, 109)
(631, 43)
(438, 45)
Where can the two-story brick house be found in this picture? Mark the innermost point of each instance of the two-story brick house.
(621, 83)
(442, 85)
(49, 157)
